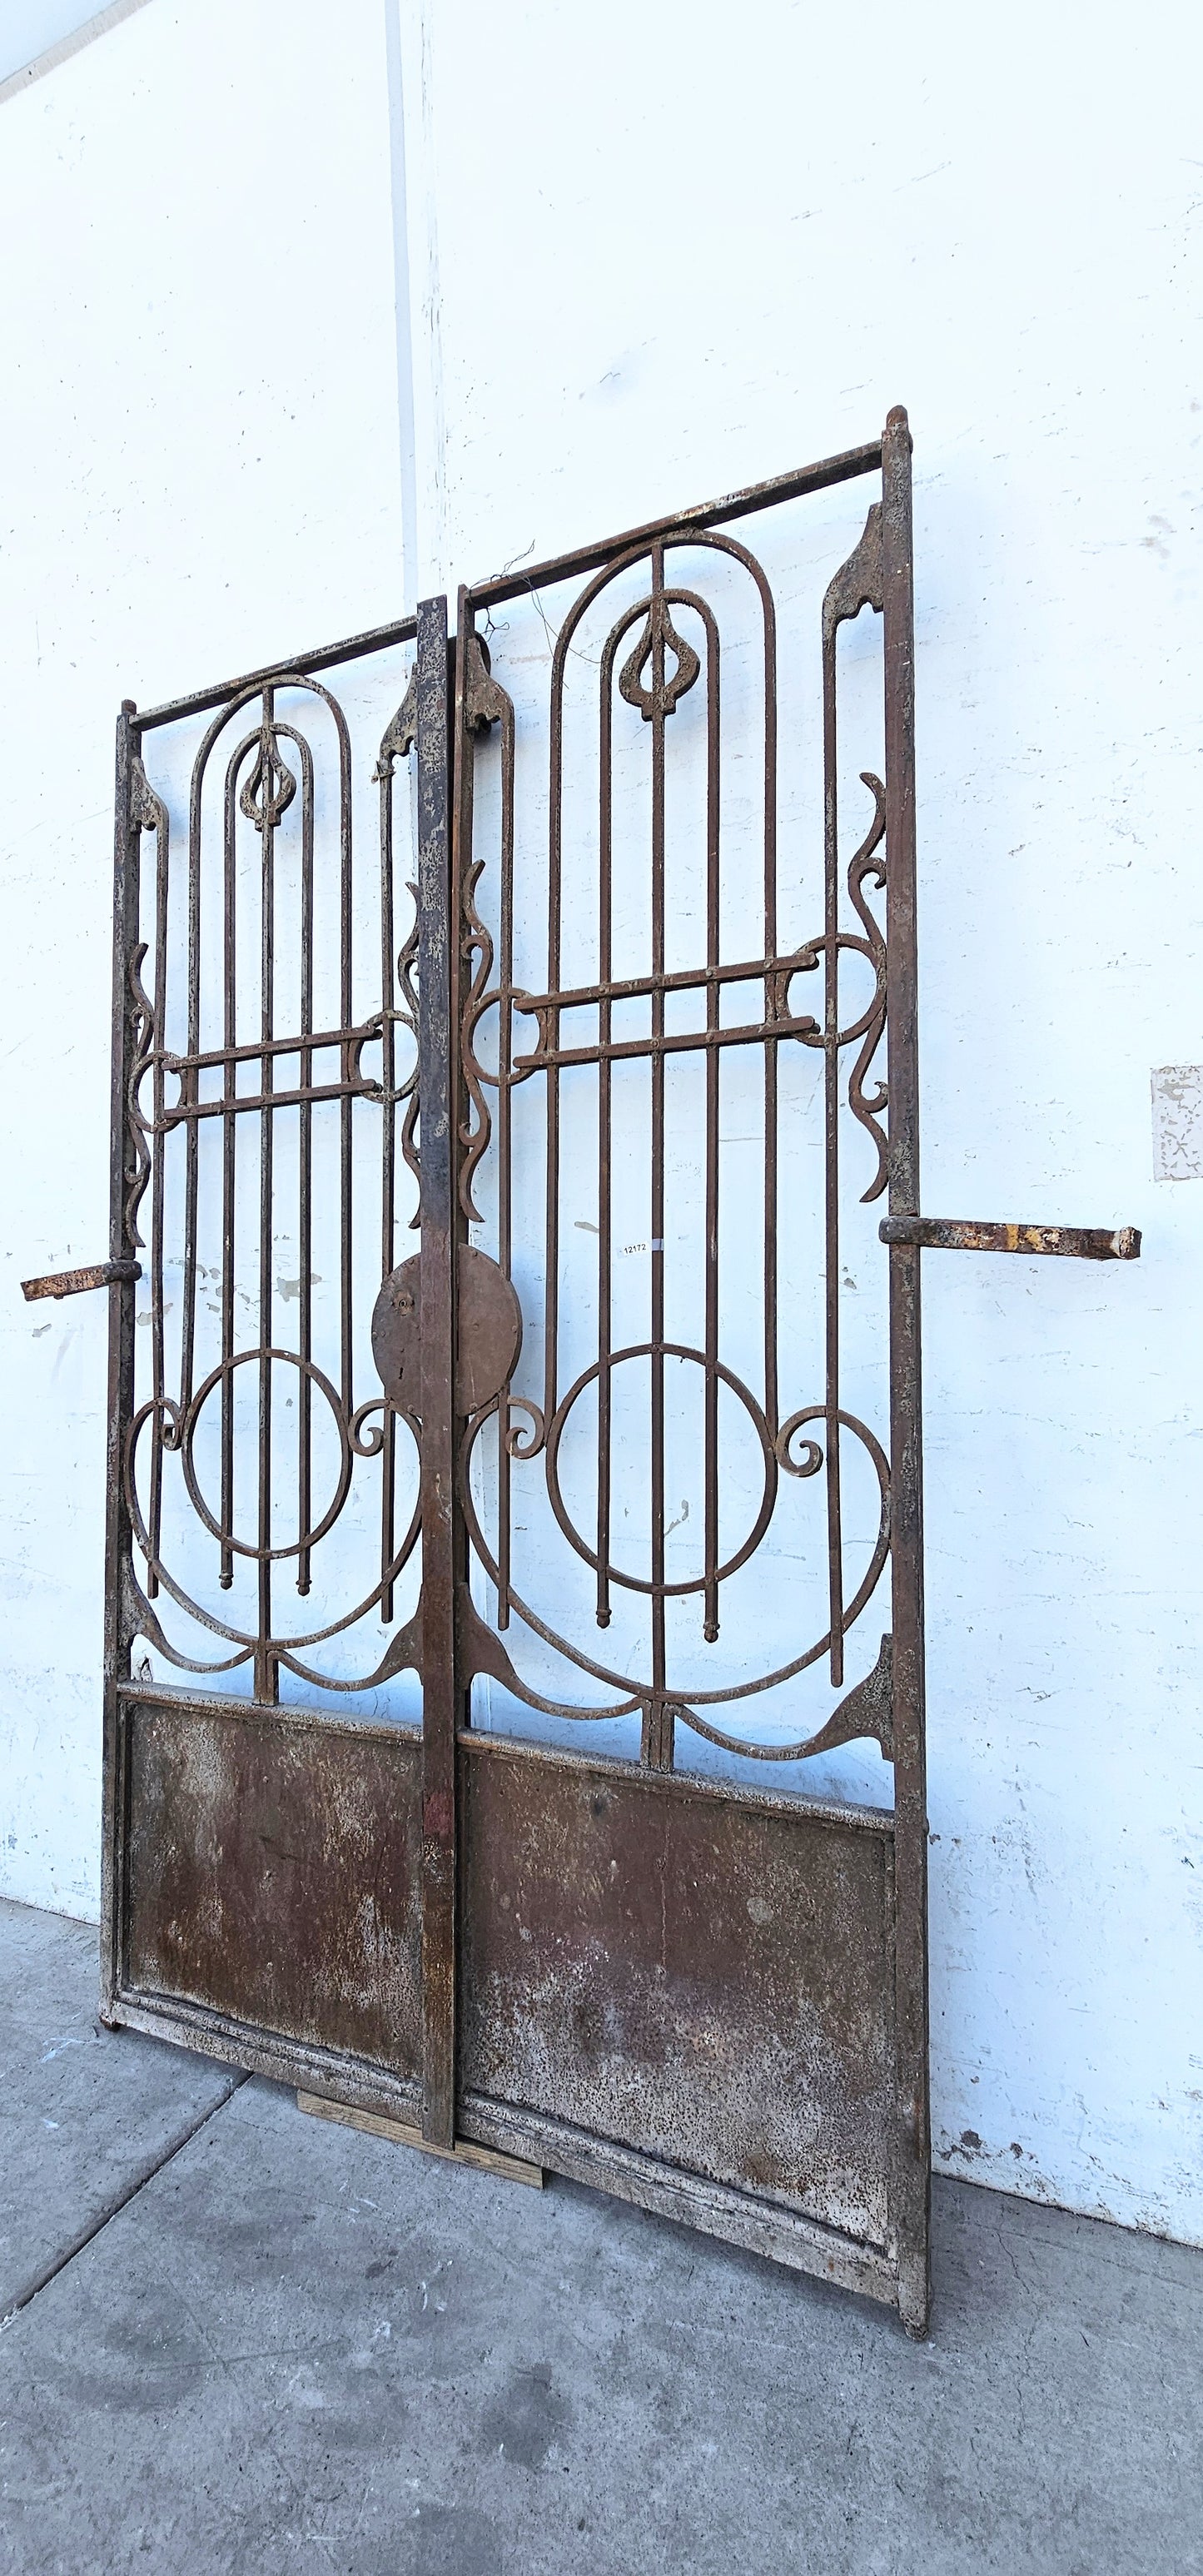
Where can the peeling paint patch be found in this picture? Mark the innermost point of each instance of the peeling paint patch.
(1177, 1122)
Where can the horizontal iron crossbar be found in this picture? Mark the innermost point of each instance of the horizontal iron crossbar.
(704, 514)
(684, 979)
(375, 639)
(669, 1042)
(309, 1042)
(353, 1088)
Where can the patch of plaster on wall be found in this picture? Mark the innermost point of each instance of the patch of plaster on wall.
(1177, 1122)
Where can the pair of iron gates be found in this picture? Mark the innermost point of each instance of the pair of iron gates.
(430, 1855)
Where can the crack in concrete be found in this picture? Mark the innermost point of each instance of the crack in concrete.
(113, 2208)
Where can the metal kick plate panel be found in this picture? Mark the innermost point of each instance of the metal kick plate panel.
(274, 1873)
(701, 1976)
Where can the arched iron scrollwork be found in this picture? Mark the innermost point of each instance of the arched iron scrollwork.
(269, 775)
(653, 674)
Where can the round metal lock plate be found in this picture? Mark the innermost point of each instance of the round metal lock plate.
(489, 1336)
(396, 1347)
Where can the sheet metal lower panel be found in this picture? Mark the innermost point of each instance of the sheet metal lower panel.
(694, 1975)
(271, 1879)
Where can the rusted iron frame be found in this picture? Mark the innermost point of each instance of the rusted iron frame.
(911, 2177)
(118, 1630)
(440, 742)
(701, 515)
(327, 657)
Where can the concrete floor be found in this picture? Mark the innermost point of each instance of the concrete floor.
(292, 2347)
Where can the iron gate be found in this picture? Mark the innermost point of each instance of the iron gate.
(451, 1910)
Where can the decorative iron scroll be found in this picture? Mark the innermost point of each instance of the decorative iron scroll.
(171, 1092)
(653, 674)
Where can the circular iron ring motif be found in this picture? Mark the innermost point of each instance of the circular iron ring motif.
(226, 1538)
(635, 1582)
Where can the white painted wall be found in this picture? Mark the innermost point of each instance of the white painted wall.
(652, 255)
(201, 468)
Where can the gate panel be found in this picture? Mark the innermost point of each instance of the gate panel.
(706, 1997)
(263, 1862)
(656, 1973)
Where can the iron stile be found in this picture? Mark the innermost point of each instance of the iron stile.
(117, 1639)
(437, 1059)
(912, 2147)
(708, 1999)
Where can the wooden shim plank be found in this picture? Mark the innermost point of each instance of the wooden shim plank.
(485, 2159)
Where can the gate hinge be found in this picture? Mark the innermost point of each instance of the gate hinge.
(965, 1234)
(71, 1283)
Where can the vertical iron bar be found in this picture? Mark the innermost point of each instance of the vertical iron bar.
(911, 2180)
(117, 1631)
(831, 1151)
(551, 1284)
(158, 1380)
(437, 1050)
(266, 1681)
(229, 1169)
(770, 1012)
(388, 1151)
(710, 1606)
(658, 1719)
(505, 1215)
(605, 1110)
(192, 1144)
(346, 1104)
(305, 1187)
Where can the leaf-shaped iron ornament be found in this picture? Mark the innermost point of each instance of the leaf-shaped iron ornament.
(659, 636)
(270, 789)
(400, 734)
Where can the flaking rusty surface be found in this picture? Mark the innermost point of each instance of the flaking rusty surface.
(706, 1980)
(973, 1234)
(273, 1876)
